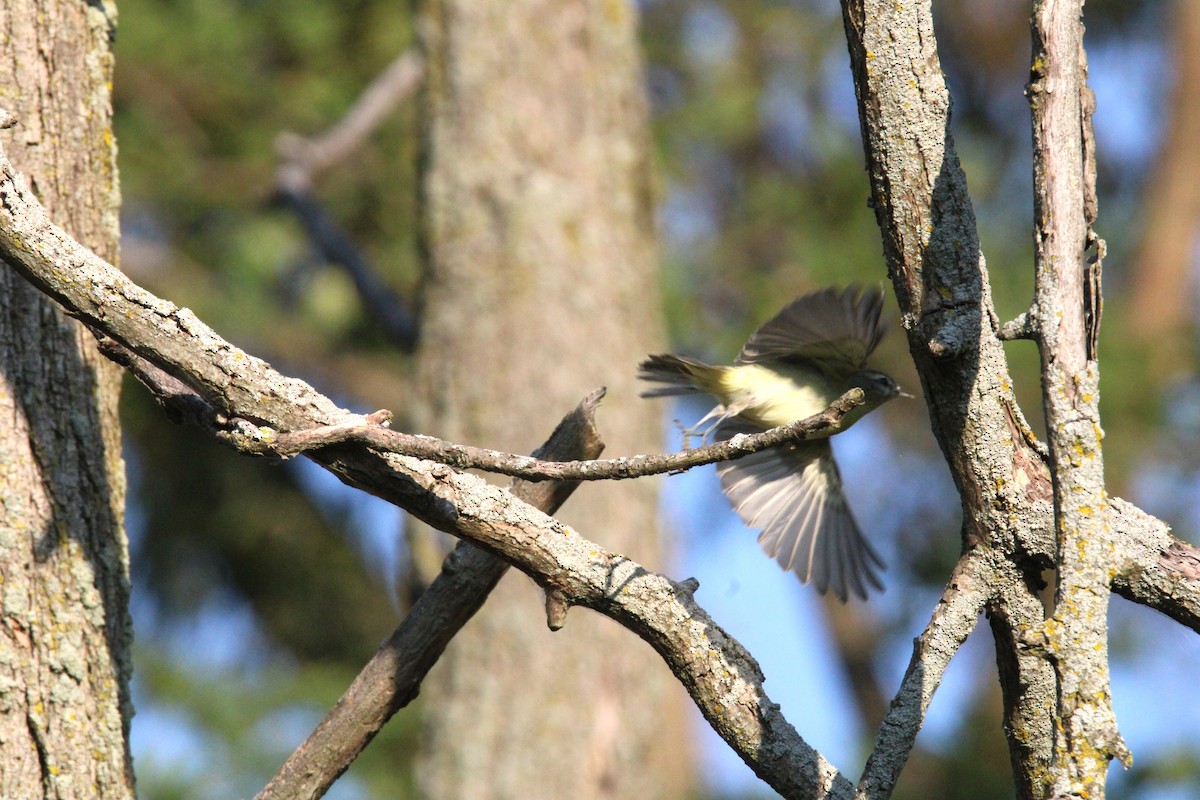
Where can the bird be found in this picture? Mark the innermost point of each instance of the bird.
(794, 366)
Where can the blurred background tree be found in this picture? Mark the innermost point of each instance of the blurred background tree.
(541, 282)
(261, 589)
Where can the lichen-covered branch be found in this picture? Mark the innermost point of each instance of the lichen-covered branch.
(1027, 683)
(1156, 569)
(930, 240)
(1075, 638)
(1001, 470)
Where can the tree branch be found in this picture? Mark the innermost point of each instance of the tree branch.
(1159, 570)
(1075, 638)
(392, 677)
(371, 430)
(721, 677)
(931, 242)
(954, 617)
(303, 159)
(184, 405)
(1027, 682)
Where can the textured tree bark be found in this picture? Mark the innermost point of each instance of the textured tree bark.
(1075, 638)
(64, 572)
(541, 286)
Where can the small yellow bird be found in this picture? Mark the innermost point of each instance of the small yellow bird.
(794, 366)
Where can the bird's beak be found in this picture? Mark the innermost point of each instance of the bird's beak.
(905, 395)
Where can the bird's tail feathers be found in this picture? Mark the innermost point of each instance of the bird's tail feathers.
(681, 374)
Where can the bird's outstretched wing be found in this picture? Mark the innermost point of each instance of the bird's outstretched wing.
(794, 494)
(831, 329)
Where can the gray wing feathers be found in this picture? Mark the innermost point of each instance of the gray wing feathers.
(795, 496)
(836, 329)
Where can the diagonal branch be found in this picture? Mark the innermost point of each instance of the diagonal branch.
(720, 675)
(303, 159)
(954, 617)
(392, 677)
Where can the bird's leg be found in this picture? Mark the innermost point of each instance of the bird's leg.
(704, 426)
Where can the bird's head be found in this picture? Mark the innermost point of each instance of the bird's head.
(879, 387)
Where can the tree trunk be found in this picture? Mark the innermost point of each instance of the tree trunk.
(1162, 308)
(541, 287)
(64, 568)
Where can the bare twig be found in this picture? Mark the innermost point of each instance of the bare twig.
(1023, 326)
(303, 159)
(392, 677)
(371, 430)
(722, 678)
